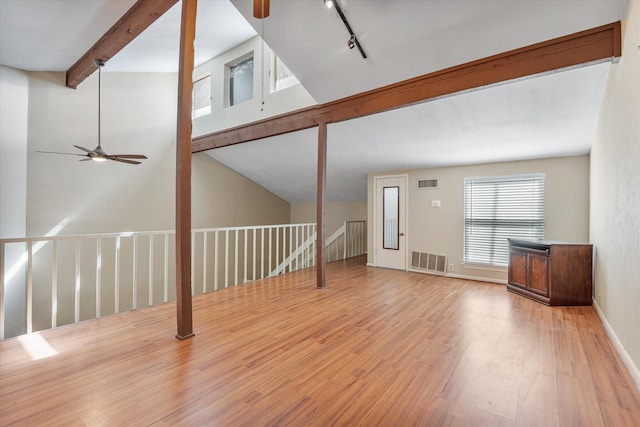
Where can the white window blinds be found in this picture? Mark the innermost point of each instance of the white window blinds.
(497, 208)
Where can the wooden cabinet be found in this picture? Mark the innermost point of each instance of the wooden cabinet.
(552, 273)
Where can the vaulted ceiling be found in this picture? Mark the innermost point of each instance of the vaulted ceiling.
(552, 115)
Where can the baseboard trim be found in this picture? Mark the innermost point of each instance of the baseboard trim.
(478, 279)
(626, 359)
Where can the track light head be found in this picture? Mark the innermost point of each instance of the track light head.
(352, 42)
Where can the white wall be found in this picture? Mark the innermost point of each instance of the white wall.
(14, 113)
(223, 116)
(441, 230)
(67, 196)
(224, 198)
(615, 198)
(14, 101)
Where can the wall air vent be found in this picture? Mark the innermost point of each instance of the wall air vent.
(432, 263)
(427, 184)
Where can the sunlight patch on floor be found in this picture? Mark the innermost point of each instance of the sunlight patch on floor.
(36, 346)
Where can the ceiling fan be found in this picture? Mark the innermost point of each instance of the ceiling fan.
(98, 154)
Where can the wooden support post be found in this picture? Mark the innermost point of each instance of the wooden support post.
(183, 172)
(321, 196)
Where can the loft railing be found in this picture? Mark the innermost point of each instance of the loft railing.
(54, 281)
(347, 241)
(59, 280)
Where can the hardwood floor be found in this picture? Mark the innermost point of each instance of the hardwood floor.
(376, 347)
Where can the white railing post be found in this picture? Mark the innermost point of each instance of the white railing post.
(193, 262)
(226, 259)
(297, 258)
(344, 241)
(166, 267)
(235, 267)
(262, 253)
(270, 247)
(216, 254)
(253, 277)
(277, 247)
(244, 262)
(116, 305)
(98, 275)
(77, 283)
(29, 286)
(134, 284)
(2, 290)
(54, 283)
(150, 270)
(204, 262)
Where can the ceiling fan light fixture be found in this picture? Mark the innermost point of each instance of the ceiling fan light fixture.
(99, 159)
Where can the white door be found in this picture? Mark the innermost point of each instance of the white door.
(390, 221)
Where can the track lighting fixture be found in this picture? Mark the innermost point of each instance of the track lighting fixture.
(353, 40)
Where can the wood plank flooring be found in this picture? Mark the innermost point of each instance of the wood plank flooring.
(377, 347)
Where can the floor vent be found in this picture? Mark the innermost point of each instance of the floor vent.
(432, 263)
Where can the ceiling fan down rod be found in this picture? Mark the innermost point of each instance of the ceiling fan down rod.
(100, 64)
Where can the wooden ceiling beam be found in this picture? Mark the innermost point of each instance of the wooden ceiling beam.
(140, 16)
(596, 44)
(289, 122)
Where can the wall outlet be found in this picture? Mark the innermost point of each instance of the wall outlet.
(435, 203)
(450, 267)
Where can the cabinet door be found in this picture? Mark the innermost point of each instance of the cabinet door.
(518, 269)
(539, 274)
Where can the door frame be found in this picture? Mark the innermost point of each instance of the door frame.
(404, 206)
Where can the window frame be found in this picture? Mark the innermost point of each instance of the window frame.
(520, 213)
(274, 74)
(229, 68)
(206, 110)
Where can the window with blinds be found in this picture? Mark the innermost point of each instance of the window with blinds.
(497, 208)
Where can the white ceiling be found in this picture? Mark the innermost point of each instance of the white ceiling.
(51, 35)
(409, 38)
(553, 115)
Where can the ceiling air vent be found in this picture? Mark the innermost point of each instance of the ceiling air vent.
(427, 184)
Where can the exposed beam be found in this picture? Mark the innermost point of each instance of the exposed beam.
(564, 52)
(597, 44)
(183, 171)
(140, 16)
(320, 206)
